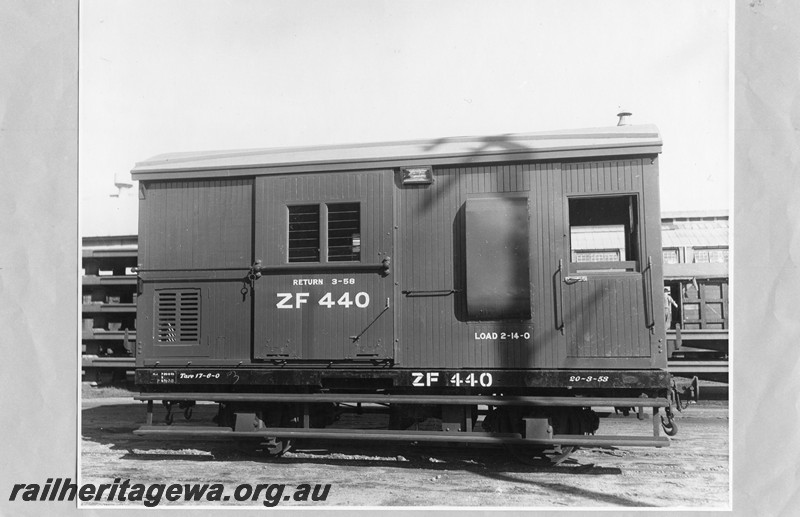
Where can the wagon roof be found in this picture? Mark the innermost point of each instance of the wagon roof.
(564, 144)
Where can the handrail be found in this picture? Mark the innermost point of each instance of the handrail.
(650, 319)
(429, 292)
(558, 295)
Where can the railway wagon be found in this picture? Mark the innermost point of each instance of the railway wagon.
(432, 280)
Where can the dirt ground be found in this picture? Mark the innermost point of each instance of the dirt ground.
(692, 473)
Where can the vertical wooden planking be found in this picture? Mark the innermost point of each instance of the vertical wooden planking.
(540, 228)
(318, 331)
(595, 330)
(211, 216)
(432, 237)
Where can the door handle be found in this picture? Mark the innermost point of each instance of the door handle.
(569, 280)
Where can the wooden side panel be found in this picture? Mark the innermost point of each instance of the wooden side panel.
(597, 326)
(549, 231)
(190, 233)
(428, 244)
(651, 243)
(316, 312)
(608, 316)
(224, 326)
(603, 177)
(434, 327)
(704, 304)
(196, 224)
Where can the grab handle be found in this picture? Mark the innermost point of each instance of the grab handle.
(650, 319)
(558, 295)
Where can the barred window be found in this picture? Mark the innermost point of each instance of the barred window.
(325, 232)
(344, 232)
(304, 233)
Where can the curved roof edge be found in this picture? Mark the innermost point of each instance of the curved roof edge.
(638, 139)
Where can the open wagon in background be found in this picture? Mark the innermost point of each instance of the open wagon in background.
(437, 279)
(696, 274)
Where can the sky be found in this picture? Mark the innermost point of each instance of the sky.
(172, 76)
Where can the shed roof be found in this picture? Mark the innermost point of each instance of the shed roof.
(674, 234)
(694, 234)
(696, 270)
(695, 214)
(631, 140)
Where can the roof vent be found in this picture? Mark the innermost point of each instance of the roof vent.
(623, 118)
(122, 180)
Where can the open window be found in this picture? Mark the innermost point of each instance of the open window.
(603, 234)
(324, 232)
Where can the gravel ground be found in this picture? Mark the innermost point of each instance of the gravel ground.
(692, 473)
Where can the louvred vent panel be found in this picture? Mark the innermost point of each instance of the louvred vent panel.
(178, 316)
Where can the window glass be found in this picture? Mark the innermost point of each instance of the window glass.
(595, 256)
(344, 232)
(712, 255)
(670, 256)
(304, 233)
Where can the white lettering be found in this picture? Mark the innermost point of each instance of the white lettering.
(301, 299)
(307, 281)
(362, 300)
(286, 297)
